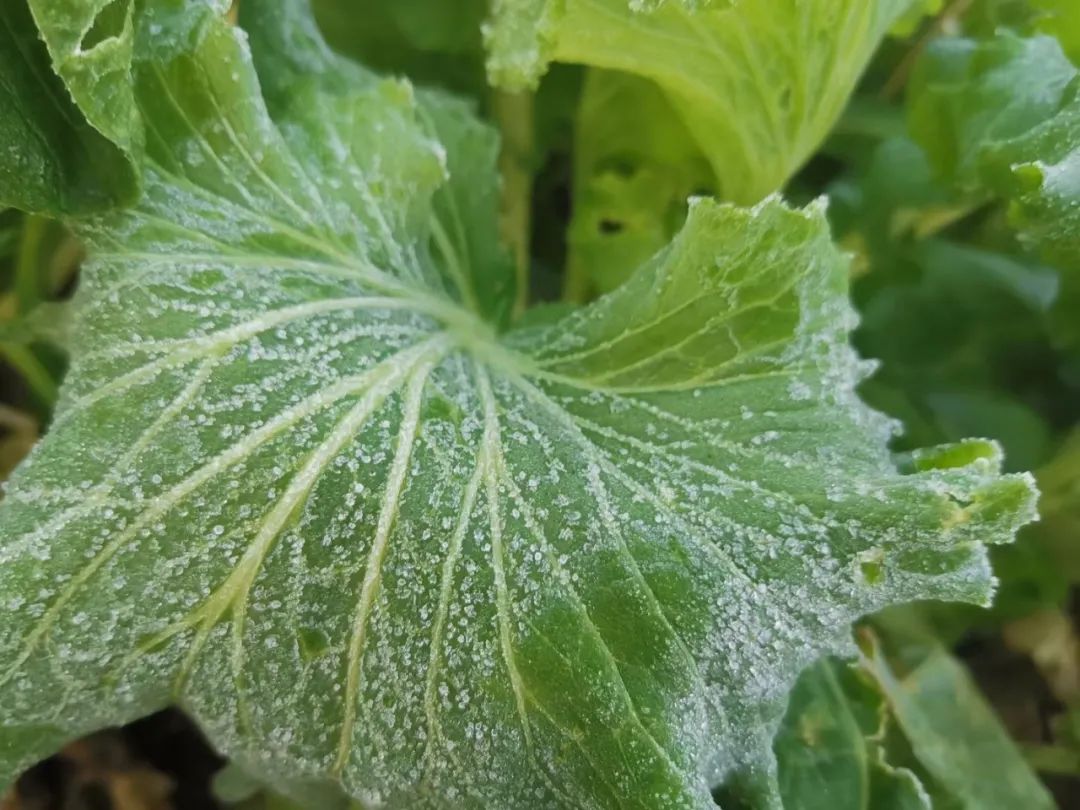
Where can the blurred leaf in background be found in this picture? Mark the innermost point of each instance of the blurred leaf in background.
(971, 307)
(38, 260)
(437, 44)
(953, 734)
(37, 267)
(972, 110)
(832, 746)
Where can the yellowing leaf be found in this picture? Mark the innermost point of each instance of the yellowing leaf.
(758, 83)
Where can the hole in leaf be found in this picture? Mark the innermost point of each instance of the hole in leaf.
(609, 227)
(313, 643)
(619, 165)
(872, 571)
(730, 797)
(872, 566)
(108, 24)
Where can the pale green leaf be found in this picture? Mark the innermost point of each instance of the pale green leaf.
(91, 43)
(909, 22)
(635, 167)
(955, 734)
(300, 484)
(758, 83)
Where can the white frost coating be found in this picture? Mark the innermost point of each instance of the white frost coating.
(406, 440)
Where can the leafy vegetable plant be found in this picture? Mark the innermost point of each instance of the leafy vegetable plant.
(314, 478)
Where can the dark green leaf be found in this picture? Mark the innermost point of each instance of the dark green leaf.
(973, 111)
(51, 159)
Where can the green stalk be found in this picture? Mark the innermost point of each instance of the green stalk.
(28, 263)
(515, 116)
(1052, 759)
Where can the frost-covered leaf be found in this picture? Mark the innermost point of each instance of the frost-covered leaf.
(1002, 116)
(51, 158)
(757, 83)
(302, 483)
(91, 45)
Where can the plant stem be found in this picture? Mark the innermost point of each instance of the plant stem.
(515, 116)
(946, 20)
(575, 283)
(1052, 759)
(28, 263)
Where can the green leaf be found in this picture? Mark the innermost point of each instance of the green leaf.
(300, 484)
(49, 322)
(958, 330)
(955, 734)
(894, 198)
(972, 111)
(909, 22)
(984, 18)
(1060, 509)
(11, 222)
(758, 85)
(430, 41)
(232, 786)
(1062, 19)
(635, 166)
(830, 748)
(91, 43)
(52, 158)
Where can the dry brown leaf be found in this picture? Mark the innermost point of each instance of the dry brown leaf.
(1050, 640)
